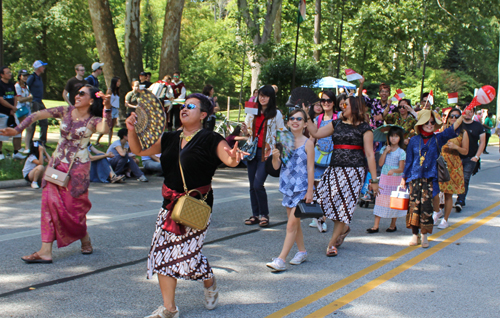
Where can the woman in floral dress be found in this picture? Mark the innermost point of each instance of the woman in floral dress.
(64, 209)
(451, 153)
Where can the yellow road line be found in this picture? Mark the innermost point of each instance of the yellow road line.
(350, 279)
(339, 303)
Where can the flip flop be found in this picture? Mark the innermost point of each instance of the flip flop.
(341, 237)
(331, 251)
(35, 259)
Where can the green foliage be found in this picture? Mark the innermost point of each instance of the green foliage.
(279, 71)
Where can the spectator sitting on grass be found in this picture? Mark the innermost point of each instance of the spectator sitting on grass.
(100, 168)
(123, 162)
(152, 163)
(34, 169)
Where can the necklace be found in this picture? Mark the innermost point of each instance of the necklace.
(188, 138)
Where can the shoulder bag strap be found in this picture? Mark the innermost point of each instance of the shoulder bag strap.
(182, 172)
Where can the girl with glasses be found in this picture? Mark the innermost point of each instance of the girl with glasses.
(421, 173)
(300, 168)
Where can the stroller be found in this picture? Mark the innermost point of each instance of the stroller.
(367, 196)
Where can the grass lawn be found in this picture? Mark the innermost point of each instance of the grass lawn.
(54, 103)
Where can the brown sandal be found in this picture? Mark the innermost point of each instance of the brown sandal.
(87, 247)
(264, 221)
(341, 237)
(252, 220)
(331, 251)
(35, 259)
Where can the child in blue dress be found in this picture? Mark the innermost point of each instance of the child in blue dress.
(296, 183)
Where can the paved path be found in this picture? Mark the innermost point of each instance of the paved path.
(375, 275)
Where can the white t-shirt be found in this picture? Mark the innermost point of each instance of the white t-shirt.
(29, 165)
(115, 101)
(22, 92)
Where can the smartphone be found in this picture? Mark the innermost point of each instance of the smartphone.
(35, 143)
(141, 87)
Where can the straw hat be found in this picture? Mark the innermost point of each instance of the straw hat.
(423, 116)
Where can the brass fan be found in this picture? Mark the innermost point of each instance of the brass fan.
(150, 119)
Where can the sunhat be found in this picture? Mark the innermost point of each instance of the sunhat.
(380, 134)
(424, 116)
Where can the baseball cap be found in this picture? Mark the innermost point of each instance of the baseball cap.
(143, 74)
(22, 72)
(96, 66)
(38, 63)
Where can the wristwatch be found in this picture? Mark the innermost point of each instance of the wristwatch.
(374, 180)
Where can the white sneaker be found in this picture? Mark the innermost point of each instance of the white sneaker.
(444, 224)
(24, 150)
(299, 258)
(18, 156)
(34, 185)
(436, 216)
(21, 150)
(277, 264)
(2, 156)
(211, 296)
(324, 226)
(143, 179)
(313, 223)
(162, 312)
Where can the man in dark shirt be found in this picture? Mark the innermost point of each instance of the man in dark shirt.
(476, 134)
(143, 79)
(74, 84)
(96, 71)
(35, 84)
(8, 103)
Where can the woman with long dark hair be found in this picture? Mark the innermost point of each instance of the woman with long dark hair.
(176, 250)
(64, 209)
(114, 91)
(451, 152)
(341, 183)
(209, 91)
(264, 125)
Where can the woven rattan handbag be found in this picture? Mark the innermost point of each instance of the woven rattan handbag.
(188, 210)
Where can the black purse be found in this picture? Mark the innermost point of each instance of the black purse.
(308, 210)
(251, 148)
(443, 173)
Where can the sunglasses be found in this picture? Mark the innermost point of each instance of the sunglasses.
(430, 123)
(454, 116)
(81, 93)
(326, 100)
(175, 76)
(188, 106)
(296, 118)
(343, 105)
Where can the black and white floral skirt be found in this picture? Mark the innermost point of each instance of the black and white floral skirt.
(178, 256)
(338, 192)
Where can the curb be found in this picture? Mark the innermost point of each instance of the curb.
(13, 183)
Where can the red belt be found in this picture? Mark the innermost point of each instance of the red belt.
(352, 147)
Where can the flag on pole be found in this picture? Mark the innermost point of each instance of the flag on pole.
(302, 11)
(352, 75)
(430, 98)
(398, 96)
(251, 108)
(452, 98)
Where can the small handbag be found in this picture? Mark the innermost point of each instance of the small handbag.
(442, 166)
(251, 148)
(322, 158)
(308, 210)
(23, 111)
(188, 210)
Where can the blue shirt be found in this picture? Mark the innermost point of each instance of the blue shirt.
(92, 80)
(431, 151)
(35, 84)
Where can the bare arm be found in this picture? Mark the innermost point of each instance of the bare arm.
(155, 158)
(370, 156)
(482, 144)
(457, 124)
(229, 156)
(381, 160)
(310, 171)
(103, 126)
(401, 167)
(463, 149)
(40, 159)
(65, 97)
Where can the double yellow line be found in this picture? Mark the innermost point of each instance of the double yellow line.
(330, 308)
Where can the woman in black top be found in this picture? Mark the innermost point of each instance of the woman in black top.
(340, 185)
(176, 250)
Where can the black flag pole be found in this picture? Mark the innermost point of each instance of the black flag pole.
(296, 46)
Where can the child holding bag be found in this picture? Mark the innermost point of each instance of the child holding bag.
(296, 183)
(392, 160)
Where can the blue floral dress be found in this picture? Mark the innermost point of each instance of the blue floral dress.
(293, 178)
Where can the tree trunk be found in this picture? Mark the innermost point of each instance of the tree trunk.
(107, 46)
(1, 32)
(277, 26)
(169, 59)
(340, 41)
(317, 31)
(133, 47)
(254, 27)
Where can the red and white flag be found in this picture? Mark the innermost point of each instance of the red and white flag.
(251, 108)
(352, 75)
(430, 98)
(398, 96)
(452, 98)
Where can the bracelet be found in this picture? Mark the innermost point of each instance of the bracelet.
(476, 157)
(374, 180)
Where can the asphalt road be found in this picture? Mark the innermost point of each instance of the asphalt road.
(375, 275)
